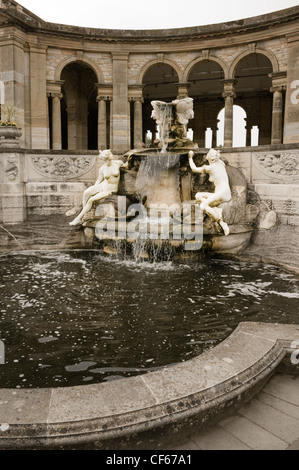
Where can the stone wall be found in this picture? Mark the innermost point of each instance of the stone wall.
(42, 183)
(273, 173)
(56, 182)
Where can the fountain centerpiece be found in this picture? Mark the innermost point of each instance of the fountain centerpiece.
(195, 194)
(172, 119)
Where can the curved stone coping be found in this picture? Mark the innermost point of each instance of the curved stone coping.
(196, 389)
(24, 17)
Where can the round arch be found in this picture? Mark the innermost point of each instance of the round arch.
(147, 66)
(74, 59)
(268, 54)
(201, 59)
(79, 103)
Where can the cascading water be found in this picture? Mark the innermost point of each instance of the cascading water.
(165, 126)
(158, 178)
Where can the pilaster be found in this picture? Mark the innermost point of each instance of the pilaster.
(120, 110)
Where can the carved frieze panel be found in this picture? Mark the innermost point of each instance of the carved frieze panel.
(280, 164)
(62, 167)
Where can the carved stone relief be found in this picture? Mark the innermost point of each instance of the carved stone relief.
(62, 167)
(11, 168)
(279, 164)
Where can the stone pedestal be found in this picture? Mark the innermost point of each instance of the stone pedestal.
(12, 187)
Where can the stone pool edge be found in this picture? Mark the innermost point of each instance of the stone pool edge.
(144, 408)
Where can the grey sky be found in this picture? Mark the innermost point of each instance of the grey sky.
(152, 14)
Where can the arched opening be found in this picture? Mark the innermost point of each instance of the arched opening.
(159, 84)
(206, 89)
(239, 127)
(253, 94)
(79, 110)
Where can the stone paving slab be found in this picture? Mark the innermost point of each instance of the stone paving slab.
(267, 422)
(272, 420)
(219, 439)
(284, 390)
(280, 404)
(253, 435)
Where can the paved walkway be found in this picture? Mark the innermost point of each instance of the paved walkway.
(270, 421)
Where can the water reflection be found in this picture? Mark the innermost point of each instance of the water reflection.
(69, 318)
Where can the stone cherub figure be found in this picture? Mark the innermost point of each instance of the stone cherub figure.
(106, 184)
(217, 175)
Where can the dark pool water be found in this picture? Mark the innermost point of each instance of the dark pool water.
(76, 317)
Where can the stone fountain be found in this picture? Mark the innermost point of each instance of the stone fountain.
(172, 193)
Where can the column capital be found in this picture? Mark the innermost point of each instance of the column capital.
(136, 92)
(279, 88)
(229, 88)
(54, 87)
(229, 94)
(183, 88)
(104, 92)
(103, 98)
(136, 99)
(56, 95)
(279, 81)
(229, 81)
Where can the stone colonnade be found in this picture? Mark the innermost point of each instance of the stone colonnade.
(119, 97)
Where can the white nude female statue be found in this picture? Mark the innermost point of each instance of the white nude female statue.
(218, 176)
(106, 184)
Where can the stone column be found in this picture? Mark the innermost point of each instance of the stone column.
(120, 110)
(138, 122)
(214, 129)
(55, 95)
(248, 133)
(104, 95)
(102, 123)
(278, 88)
(276, 133)
(229, 95)
(136, 97)
(56, 121)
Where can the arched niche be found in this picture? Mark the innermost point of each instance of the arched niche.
(79, 107)
(205, 78)
(253, 92)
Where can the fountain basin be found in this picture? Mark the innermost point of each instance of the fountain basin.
(139, 412)
(76, 317)
(150, 409)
